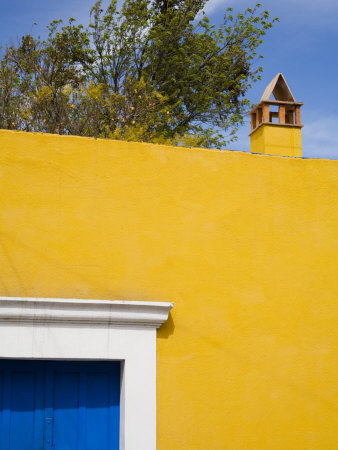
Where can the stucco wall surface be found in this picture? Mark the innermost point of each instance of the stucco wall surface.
(244, 245)
(277, 140)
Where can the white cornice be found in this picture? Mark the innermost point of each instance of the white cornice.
(60, 310)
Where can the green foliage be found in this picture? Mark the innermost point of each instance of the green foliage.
(154, 71)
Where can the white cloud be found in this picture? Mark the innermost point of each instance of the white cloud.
(320, 138)
(214, 5)
(318, 14)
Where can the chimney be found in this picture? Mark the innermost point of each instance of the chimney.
(275, 124)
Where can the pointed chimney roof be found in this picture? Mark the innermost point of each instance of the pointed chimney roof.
(279, 88)
(288, 114)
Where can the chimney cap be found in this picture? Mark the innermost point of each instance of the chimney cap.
(279, 88)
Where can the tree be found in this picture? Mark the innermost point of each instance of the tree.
(153, 70)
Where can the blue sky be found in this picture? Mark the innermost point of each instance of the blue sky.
(303, 46)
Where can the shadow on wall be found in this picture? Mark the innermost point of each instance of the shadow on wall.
(167, 328)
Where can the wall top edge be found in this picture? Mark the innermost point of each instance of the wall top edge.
(112, 144)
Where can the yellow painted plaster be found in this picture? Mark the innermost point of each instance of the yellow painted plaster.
(277, 140)
(244, 245)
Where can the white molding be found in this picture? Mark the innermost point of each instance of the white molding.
(114, 312)
(70, 329)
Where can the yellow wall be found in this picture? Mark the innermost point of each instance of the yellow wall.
(277, 140)
(244, 245)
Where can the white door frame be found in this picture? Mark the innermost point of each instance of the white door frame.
(70, 329)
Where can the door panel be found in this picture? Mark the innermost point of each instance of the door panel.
(102, 409)
(66, 410)
(21, 413)
(23, 409)
(97, 402)
(59, 405)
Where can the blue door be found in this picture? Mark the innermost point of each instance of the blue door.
(59, 405)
